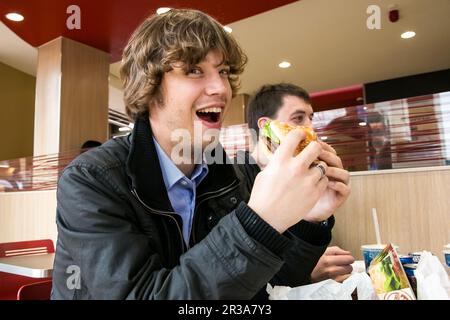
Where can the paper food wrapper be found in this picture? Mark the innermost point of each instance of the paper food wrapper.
(432, 279)
(388, 277)
(326, 290)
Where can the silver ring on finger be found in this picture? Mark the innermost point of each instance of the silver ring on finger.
(322, 169)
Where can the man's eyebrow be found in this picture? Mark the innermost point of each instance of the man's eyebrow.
(221, 64)
(217, 65)
(297, 112)
(301, 112)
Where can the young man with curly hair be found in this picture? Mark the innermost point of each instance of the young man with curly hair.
(133, 223)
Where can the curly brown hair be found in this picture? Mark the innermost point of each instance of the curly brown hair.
(179, 35)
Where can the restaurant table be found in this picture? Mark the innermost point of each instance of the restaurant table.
(34, 266)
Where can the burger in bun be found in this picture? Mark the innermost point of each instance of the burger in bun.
(274, 132)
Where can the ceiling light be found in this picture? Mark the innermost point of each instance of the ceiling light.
(228, 29)
(362, 124)
(162, 10)
(122, 129)
(365, 108)
(14, 16)
(324, 138)
(284, 64)
(408, 35)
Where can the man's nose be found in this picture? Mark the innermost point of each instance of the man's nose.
(216, 85)
(308, 122)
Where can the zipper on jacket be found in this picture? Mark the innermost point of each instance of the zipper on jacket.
(213, 194)
(166, 214)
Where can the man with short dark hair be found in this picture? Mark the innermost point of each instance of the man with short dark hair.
(291, 104)
(269, 99)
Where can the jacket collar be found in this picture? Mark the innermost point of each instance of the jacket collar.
(144, 170)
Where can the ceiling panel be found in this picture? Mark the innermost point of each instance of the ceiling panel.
(107, 24)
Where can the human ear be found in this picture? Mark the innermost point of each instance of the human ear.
(262, 121)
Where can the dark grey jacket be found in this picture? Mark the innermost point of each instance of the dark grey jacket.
(118, 237)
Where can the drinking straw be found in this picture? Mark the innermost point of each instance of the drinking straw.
(376, 225)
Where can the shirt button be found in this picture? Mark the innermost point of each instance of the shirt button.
(233, 200)
(184, 183)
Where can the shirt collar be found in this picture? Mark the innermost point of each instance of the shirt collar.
(171, 173)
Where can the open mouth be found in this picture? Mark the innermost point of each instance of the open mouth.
(209, 115)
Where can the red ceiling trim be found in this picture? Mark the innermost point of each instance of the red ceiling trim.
(107, 24)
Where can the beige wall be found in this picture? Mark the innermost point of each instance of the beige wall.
(413, 207)
(27, 216)
(17, 91)
(236, 112)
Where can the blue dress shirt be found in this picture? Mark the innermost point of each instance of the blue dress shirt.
(181, 189)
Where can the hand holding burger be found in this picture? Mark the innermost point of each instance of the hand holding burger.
(330, 165)
(309, 154)
(289, 187)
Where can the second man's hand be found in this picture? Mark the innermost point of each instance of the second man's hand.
(334, 264)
